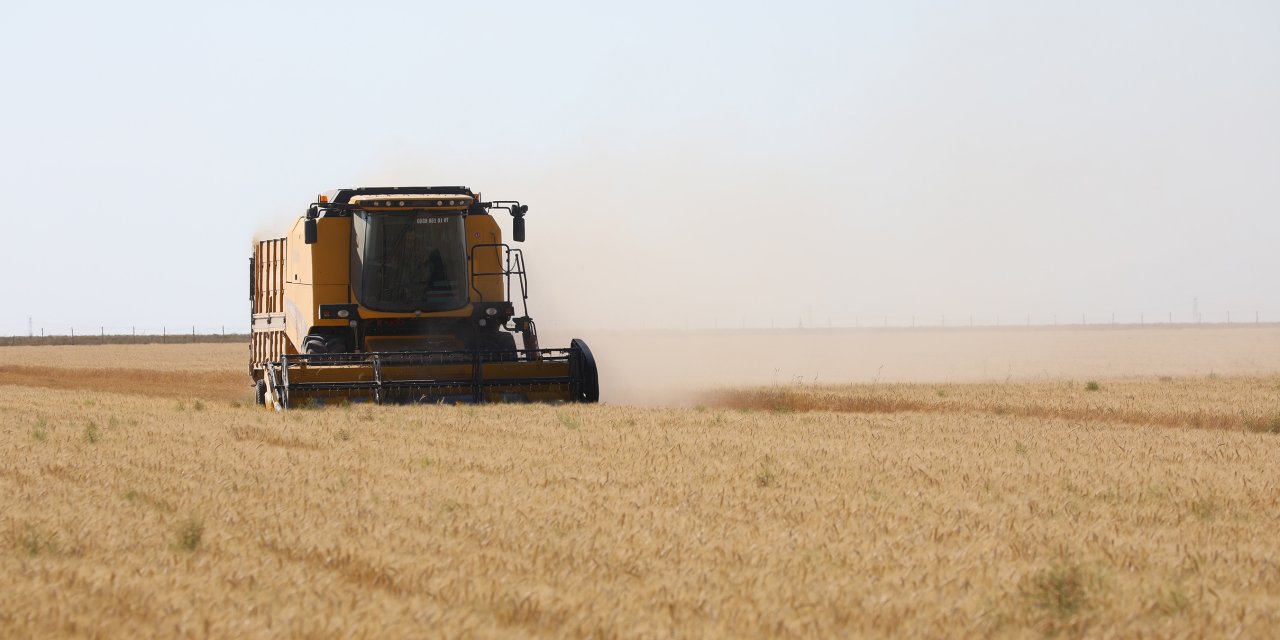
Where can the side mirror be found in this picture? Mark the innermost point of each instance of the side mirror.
(517, 221)
(517, 228)
(309, 231)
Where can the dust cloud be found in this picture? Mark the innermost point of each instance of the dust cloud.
(690, 267)
(980, 175)
(676, 367)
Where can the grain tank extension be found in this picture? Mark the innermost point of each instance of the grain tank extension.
(403, 295)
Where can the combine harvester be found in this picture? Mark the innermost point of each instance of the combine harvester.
(402, 295)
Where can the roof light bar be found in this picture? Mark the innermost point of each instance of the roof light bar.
(414, 201)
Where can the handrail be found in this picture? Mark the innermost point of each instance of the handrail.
(512, 262)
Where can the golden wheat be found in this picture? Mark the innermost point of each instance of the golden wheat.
(983, 509)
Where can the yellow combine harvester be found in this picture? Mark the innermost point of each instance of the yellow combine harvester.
(402, 295)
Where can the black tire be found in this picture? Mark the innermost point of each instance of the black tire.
(323, 343)
(584, 366)
(500, 341)
(260, 392)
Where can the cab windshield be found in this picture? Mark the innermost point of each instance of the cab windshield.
(409, 261)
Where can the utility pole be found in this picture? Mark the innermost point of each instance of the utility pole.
(31, 332)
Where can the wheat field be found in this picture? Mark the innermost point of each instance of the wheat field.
(144, 496)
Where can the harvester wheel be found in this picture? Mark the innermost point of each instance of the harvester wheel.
(500, 341)
(589, 378)
(260, 392)
(323, 343)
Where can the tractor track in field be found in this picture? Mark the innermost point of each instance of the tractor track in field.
(869, 401)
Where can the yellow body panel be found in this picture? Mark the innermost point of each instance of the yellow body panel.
(316, 274)
(483, 230)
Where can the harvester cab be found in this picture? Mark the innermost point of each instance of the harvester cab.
(403, 295)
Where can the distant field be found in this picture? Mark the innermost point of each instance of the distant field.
(225, 358)
(662, 367)
(144, 495)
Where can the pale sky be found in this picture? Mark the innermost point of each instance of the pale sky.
(701, 163)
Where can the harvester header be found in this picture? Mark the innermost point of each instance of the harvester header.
(403, 294)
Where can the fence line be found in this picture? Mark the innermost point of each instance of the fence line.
(134, 334)
(147, 335)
